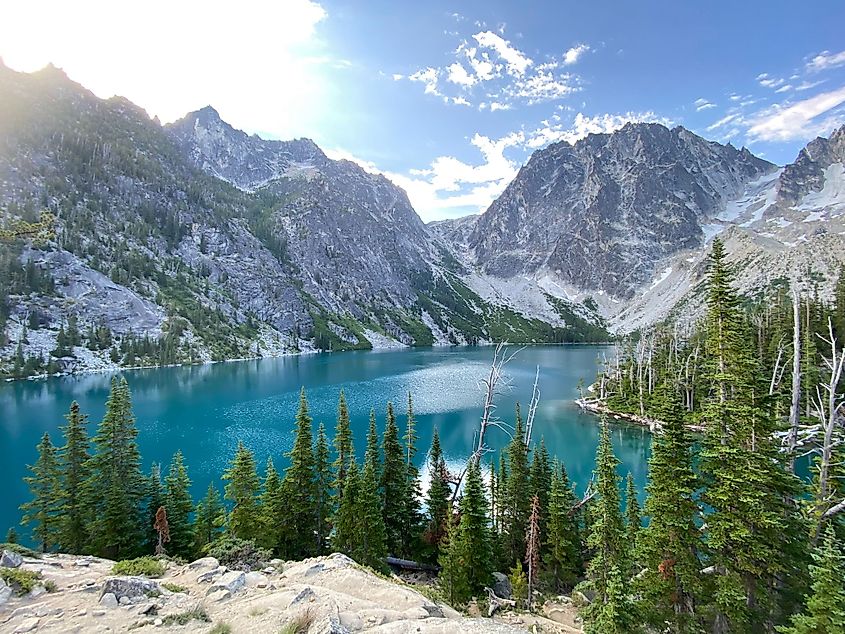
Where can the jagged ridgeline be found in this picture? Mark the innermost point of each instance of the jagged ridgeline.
(194, 241)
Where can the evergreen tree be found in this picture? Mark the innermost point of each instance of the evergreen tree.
(272, 509)
(115, 484)
(451, 579)
(393, 484)
(825, 604)
(346, 520)
(370, 532)
(438, 497)
(11, 536)
(607, 537)
(669, 547)
(154, 499)
(562, 560)
(541, 483)
(517, 496)
(344, 448)
(519, 585)
(210, 518)
(615, 614)
(412, 518)
(753, 534)
(45, 486)
(242, 489)
(180, 506)
(372, 454)
(633, 521)
(323, 496)
(532, 552)
(299, 488)
(75, 517)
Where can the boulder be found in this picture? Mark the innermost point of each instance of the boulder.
(28, 625)
(255, 579)
(131, 587)
(219, 595)
(231, 581)
(502, 586)
(109, 600)
(5, 592)
(10, 559)
(209, 575)
(206, 563)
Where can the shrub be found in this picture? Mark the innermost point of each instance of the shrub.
(173, 587)
(221, 628)
(299, 624)
(50, 586)
(196, 613)
(141, 566)
(238, 554)
(23, 551)
(21, 581)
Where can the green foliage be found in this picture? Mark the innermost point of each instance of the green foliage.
(115, 484)
(272, 509)
(21, 550)
(825, 604)
(323, 492)
(516, 499)
(616, 613)
(299, 489)
(21, 581)
(412, 515)
(519, 585)
(221, 628)
(44, 485)
(210, 518)
(344, 449)
(563, 562)
(242, 489)
(346, 519)
(173, 587)
(73, 458)
(140, 566)
(437, 497)
(238, 554)
(180, 506)
(370, 532)
(196, 613)
(393, 484)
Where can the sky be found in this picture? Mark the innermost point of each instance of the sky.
(449, 99)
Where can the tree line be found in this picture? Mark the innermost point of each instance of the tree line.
(734, 540)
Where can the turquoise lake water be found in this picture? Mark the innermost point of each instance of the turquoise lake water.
(205, 410)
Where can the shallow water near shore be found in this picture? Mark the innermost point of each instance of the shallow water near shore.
(205, 410)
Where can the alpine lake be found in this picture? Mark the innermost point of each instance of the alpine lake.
(204, 410)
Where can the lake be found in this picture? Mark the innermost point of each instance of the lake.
(205, 409)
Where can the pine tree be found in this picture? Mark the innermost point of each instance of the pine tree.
(563, 541)
(519, 585)
(180, 506)
(323, 496)
(346, 519)
(393, 484)
(115, 484)
(344, 448)
(412, 517)
(669, 547)
(370, 532)
(825, 604)
(299, 489)
(75, 517)
(532, 552)
(272, 509)
(451, 579)
(372, 454)
(753, 534)
(438, 497)
(242, 489)
(45, 486)
(517, 496)
(154, 499)
(541, 483)
(11, 536)
(633, 520)
(607, 536)
(210, 518)
(615, 614)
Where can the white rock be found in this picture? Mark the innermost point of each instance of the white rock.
(98, 612)
(5, 594)
(10, 559)
(255, 579)
(231, 581)
(108, 600)
(219, 595)
(158, 622)
(204, 563)
(124, 601)
(27, 626)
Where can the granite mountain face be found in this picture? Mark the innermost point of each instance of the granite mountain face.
(195, 241)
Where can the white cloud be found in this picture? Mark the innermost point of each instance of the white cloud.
(798, 121)
(826, 60)
(459, 75)
(146, 57)
(460, 101)
(784, 88)
(723, 121)
(397, 77)
(573, 54)
(703, 104)
(769, 82)
(517, 62)
(427, 77)
(499, 106)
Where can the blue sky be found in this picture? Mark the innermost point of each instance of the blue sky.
(449, 99)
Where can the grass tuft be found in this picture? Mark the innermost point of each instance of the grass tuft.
(141, 566)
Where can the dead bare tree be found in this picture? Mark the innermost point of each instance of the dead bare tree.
(795, 407)
(828, 405)
(532, 552)
(532, 408)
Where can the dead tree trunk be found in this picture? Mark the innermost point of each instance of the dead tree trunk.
(795, 407)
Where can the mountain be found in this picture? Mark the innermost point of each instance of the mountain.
(623, 222)
(195, 241)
